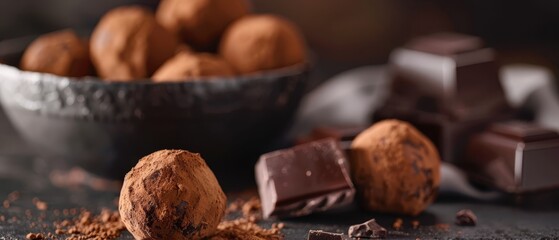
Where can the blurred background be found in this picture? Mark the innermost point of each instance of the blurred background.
(344, 34)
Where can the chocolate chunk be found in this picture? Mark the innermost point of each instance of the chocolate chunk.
(466, 217)
(321, 235)
(515, 157)
(436, 87)
(368, 229)
(304, 179)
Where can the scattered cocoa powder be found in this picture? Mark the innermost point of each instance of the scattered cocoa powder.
(85, 225)
(246, 227)
(34, 236)
(105, 225)
(442, 226)
(398, 224)
(40, 205)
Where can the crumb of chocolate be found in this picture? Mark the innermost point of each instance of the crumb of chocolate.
(13, 196)
(368, 229)
(466, 217)
(40, 205)
(6, 204)
(34, 236)
(415, 224)
(2, 218)
(398, 224)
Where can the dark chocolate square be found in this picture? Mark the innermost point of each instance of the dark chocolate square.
(304, 179)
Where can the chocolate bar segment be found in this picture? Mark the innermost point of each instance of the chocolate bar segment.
(515, 157)
(304, 179)
(368, 229)
(321, 235)
(447, 85)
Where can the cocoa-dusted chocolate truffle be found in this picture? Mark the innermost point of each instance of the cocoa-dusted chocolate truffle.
(187, 66)
(62, 53)
(129, 44)
(261, 42)
(395, 168)
(171, 194)
(200, 22)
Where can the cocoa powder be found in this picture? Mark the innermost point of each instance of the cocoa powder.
(245, 227)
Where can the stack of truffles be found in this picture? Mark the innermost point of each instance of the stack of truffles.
(181, 41)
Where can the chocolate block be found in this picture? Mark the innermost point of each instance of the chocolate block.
(368, 229)
(447, 85)
(449, 73)
(304, 179)
(321, 235)
(515, 157)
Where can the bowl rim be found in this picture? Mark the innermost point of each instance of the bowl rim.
(296, 69)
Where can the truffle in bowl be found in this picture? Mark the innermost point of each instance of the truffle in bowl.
(105, 127)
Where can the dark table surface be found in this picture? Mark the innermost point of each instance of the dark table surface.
(512, 217)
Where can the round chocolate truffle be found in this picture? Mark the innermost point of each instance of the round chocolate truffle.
(200, 22)
(62, 53)
(188, 66)
(128, 44)
(396, 168)
(261, 42)
(171, 194)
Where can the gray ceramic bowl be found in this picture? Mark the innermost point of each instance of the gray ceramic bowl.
(105, 127)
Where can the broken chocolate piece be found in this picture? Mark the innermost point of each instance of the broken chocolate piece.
(304, 179)
(515, 157)
(466, 217)
(368, 229)
(436, 87)
(321, 235)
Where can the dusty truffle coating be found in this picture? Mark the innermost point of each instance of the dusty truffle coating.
(262, 42)
(128, 44)
(62, 53)
(200, 22)
(395, 168)
(171, 194)
(187, 66)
